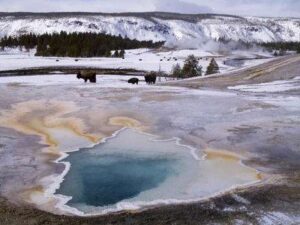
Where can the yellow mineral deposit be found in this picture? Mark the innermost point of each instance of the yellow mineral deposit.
(58, 130)
(35, 194)
(227, 156)
(126, 122)
(43, 117)
(213, 154)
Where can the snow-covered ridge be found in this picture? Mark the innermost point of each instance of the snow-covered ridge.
(172, 28)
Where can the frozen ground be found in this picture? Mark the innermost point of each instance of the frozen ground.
(113, 81)
(139, 59)
(271, 87)
(46, 114)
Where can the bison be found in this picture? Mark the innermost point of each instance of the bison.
(150, 78)
(91, 76)
(133, 80)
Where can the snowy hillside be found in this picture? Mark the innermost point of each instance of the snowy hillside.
(175, 29)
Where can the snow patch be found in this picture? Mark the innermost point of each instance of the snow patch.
(270, 87)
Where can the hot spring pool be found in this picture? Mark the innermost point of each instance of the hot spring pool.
(108, 179)
(132, 170)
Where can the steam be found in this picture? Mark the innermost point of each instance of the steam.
(216, 46)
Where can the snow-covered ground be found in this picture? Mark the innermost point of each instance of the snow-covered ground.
(103, 81)
(139, 59)
(271, 87)
(274, 93)
(111, 81)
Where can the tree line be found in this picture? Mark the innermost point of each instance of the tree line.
(278, 46)
(191, 68)
(282, 46)
(76, 44)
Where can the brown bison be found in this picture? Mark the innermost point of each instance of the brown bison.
(150, 78)
(87, 76)
(133, 80)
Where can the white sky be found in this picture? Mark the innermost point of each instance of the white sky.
(237, 7)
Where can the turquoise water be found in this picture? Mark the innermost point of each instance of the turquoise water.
(103, 180)
(119, 169)
(131, 171)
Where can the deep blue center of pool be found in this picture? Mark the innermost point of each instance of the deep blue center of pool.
(101, 180)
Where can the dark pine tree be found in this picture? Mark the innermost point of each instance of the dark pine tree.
(122, 54)
(190, 67)
(213, 67)
(116, 54)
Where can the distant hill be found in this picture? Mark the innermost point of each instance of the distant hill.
(175, 29)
